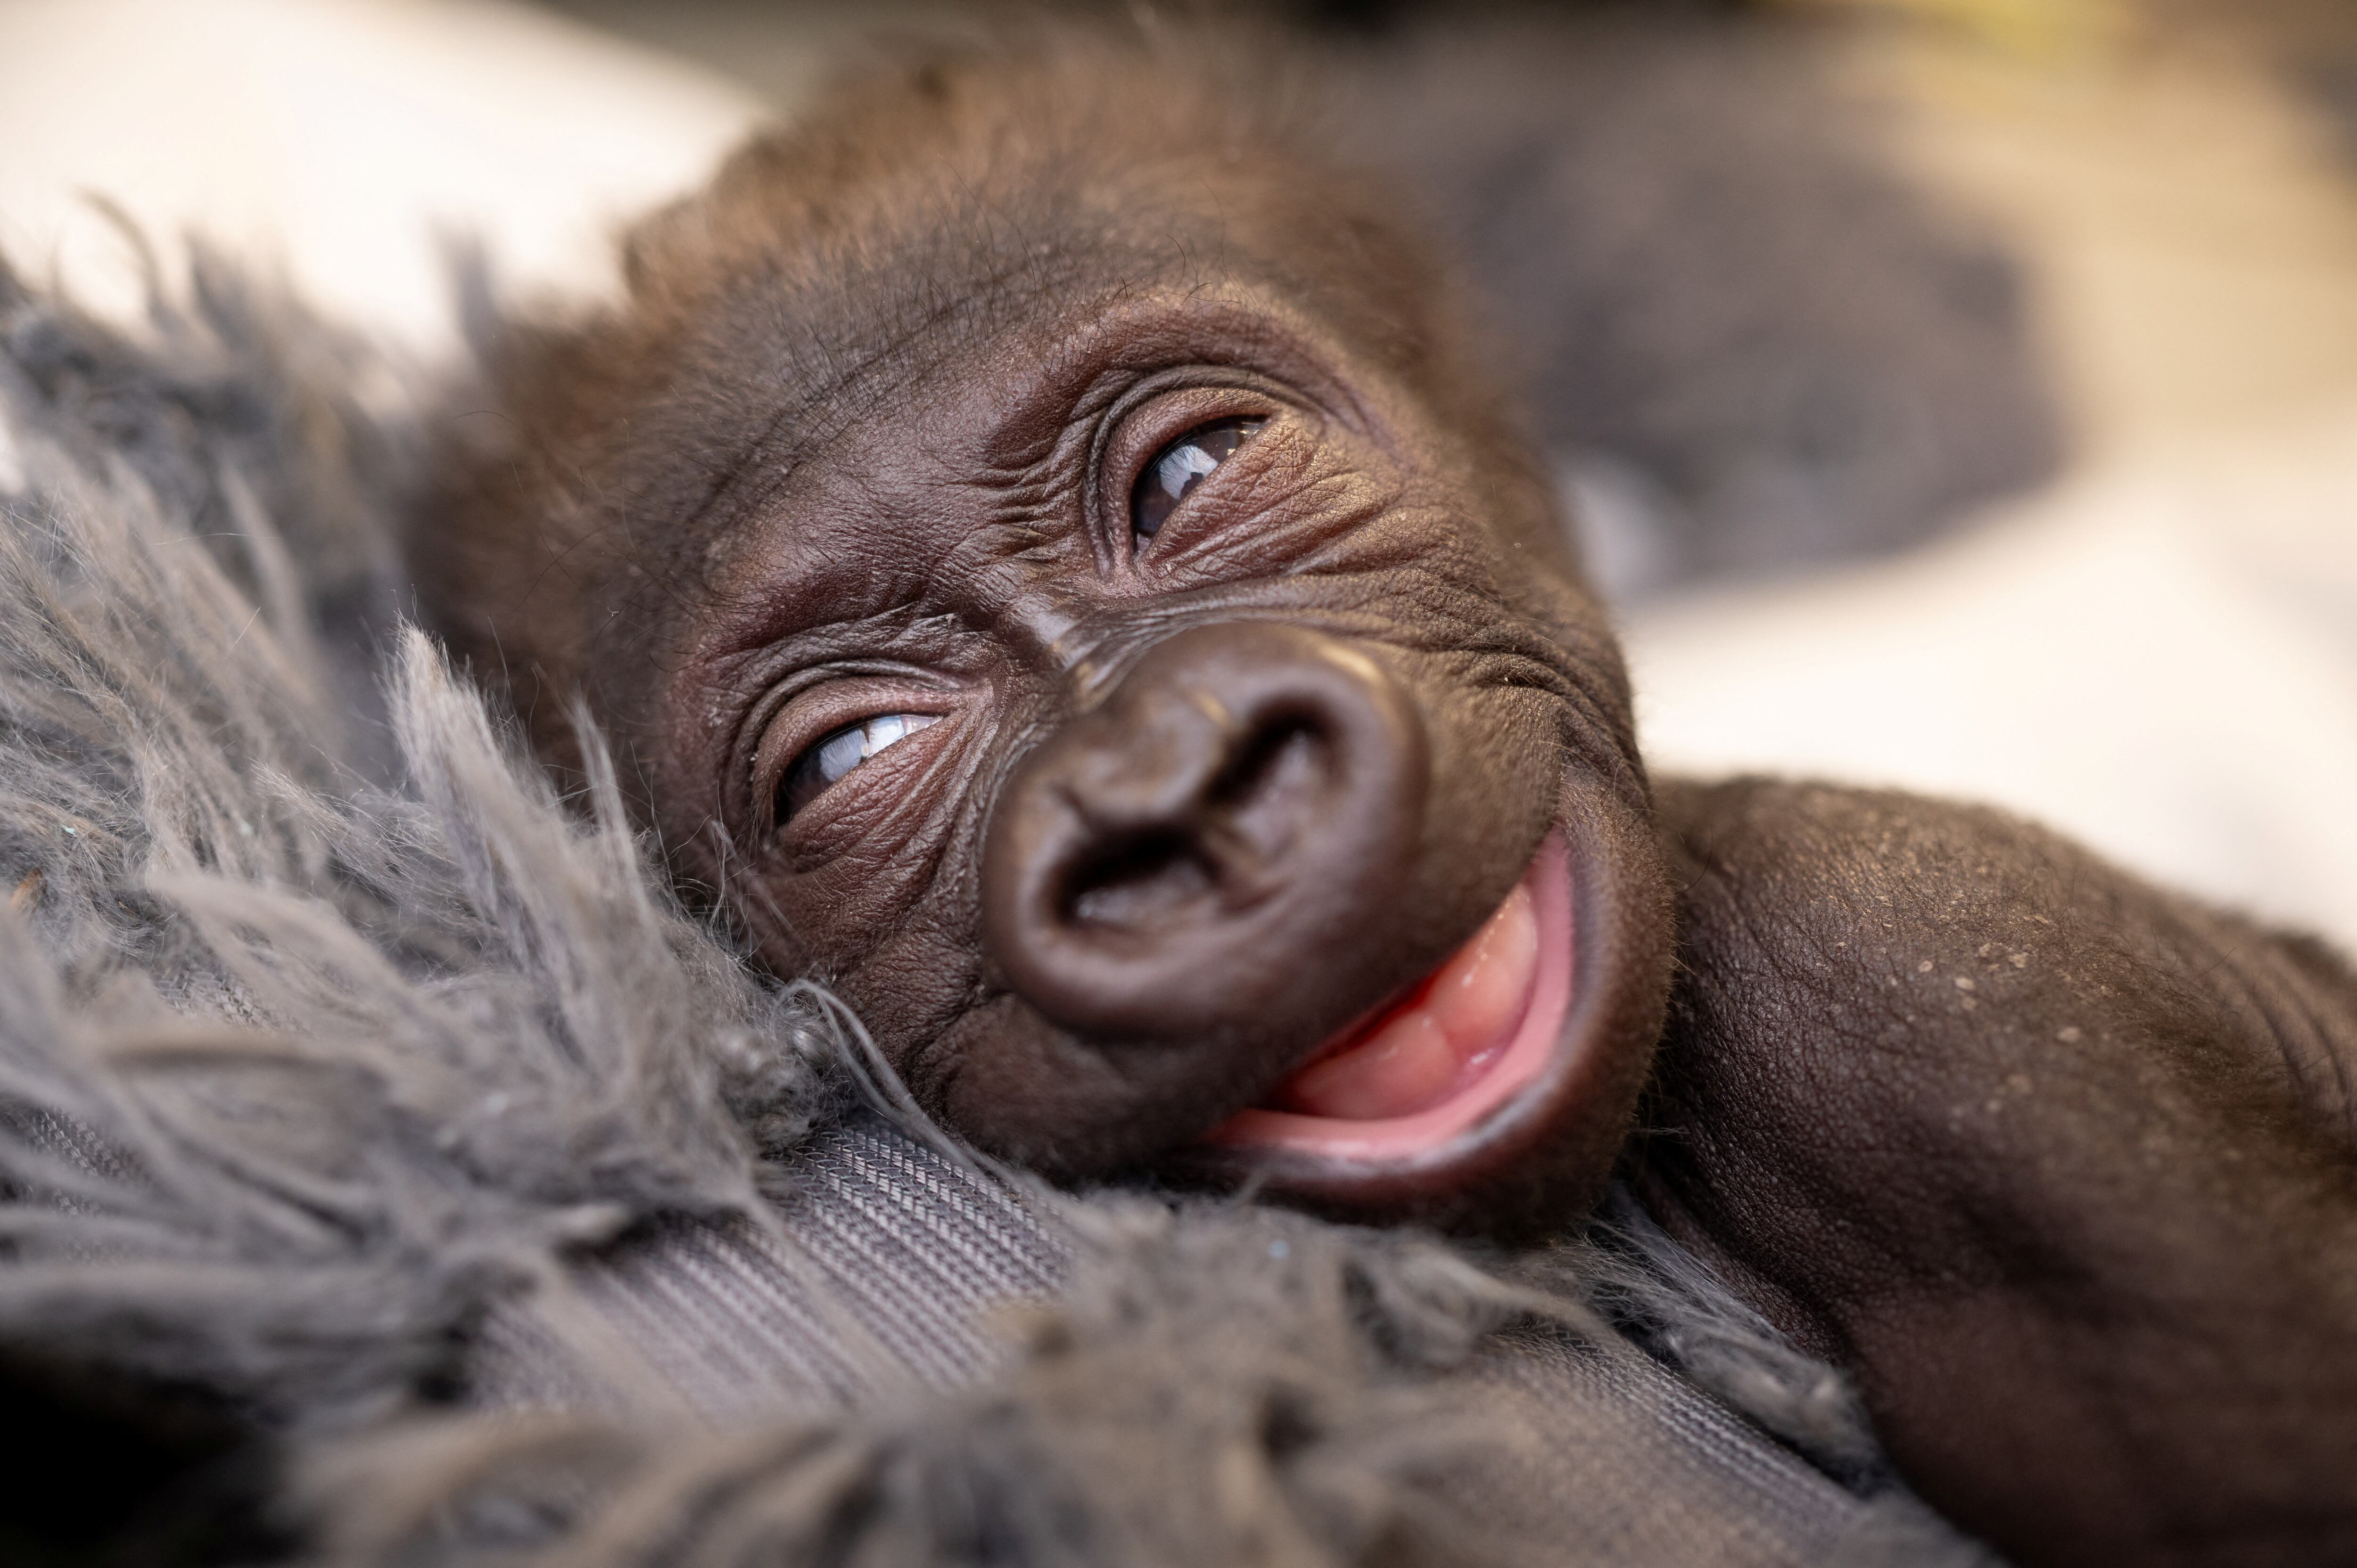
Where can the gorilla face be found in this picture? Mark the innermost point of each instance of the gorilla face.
(1068, 592)
(1153, 728)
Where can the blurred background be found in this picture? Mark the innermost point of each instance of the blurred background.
(1952, 393)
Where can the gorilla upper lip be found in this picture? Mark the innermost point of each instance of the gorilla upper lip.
(1459, 1047)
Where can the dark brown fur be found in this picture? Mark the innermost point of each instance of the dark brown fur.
(2060, 1166)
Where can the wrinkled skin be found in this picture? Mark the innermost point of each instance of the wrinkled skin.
(2061, 1167)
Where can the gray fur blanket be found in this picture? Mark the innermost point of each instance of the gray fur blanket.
(362, 1094)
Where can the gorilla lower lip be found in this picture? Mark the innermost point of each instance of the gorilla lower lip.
(1480, 1028)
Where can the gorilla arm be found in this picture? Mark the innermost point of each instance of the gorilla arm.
(2063, 1168)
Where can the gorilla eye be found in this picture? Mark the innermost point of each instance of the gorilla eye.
(1179, 468)
(840, 752)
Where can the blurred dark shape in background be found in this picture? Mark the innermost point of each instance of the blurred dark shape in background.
(1751, 346)
(2313, 44)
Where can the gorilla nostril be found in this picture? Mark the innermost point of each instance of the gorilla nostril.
(1183, 857)
(1241, 824)
(1285, 756)
(1135, 881)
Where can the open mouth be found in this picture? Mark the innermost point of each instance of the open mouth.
(1450, 1054)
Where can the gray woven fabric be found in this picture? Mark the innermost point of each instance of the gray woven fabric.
(880, 1272)
(1720, 1493)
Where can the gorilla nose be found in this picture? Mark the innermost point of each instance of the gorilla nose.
(1209, 852)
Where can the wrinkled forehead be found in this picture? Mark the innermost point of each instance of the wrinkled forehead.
(808, 317)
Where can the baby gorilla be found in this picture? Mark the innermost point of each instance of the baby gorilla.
(1066, 589)
(1066, 582)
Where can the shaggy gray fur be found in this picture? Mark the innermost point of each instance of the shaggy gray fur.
(304, 1067)
(346, 1072)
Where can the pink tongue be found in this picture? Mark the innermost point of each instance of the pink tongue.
(1440, 1037)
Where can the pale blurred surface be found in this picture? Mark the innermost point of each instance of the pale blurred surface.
(2158, 658)
(2159, 655)
(341, 138)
